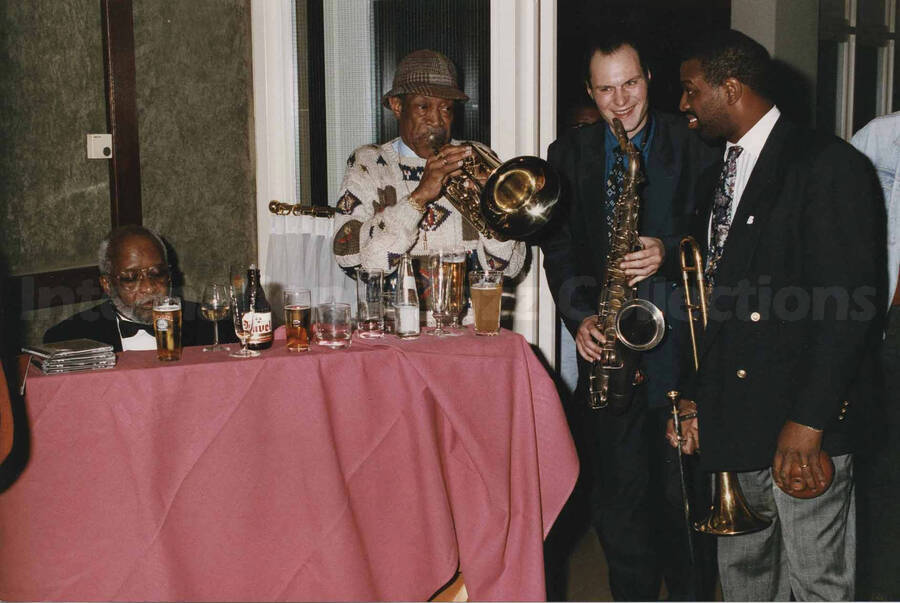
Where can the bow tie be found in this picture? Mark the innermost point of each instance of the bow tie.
(130, 329)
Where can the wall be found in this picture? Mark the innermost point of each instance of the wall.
(194, 86)
(54, 201)
(789, 31)
(195, 125)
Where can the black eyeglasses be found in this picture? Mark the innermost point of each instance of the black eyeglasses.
(131, 279)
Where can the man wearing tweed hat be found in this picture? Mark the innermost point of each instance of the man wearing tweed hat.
(391, 201)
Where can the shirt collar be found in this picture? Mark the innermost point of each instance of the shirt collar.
(755, 138)
(403, 150)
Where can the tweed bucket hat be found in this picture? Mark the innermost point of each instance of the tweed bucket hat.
(425, 72)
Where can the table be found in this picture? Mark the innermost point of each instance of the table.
(363, 474)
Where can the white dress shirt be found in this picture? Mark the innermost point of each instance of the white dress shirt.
(752, 143)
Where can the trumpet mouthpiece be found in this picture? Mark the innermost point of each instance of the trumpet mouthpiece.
(437, 140)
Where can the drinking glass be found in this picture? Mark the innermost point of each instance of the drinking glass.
(390, 312)
(369, 298)
(167, 327)
(296, 319)
(242, 315)
(486, 289)
(440, 292)
(454, 264)
(333, 327)
(214, 306)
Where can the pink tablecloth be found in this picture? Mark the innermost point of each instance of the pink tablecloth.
(363, 474)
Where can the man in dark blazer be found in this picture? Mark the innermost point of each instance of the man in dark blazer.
(134, 269)
(794, 230)
(627, 461)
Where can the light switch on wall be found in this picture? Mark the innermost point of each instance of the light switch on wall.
(99, 146)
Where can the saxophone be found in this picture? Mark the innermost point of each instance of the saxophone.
(630, 325)
(517, 199)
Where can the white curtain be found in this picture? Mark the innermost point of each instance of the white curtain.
(300, 255)
(349, 55)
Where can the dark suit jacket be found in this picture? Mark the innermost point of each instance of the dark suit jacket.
(99, 323)
(795, 319)
(576, 247)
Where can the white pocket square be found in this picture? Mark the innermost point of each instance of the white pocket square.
(750, 220)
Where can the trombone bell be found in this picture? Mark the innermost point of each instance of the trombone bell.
(730, 515)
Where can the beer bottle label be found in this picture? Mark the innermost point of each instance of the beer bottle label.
(262, 328)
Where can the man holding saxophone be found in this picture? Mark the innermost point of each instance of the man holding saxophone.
(793, 228)
(392, 201)
(624, 453)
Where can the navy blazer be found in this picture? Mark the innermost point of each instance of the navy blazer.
(575, 248)
(797, 311)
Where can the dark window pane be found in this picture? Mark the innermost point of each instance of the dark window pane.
(831, 13)
(870, 13)
(895, 99)
(826, 86)
(865, 85)
(458, 28)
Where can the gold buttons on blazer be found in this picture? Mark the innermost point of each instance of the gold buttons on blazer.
(843, 412)
(741, 374)
(755, 316)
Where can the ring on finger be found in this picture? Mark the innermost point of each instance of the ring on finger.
(444, 160)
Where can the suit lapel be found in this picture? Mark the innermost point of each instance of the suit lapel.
(662, 178)
(593, 185)
(756, 202)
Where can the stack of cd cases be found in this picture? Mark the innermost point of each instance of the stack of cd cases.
(72, 356)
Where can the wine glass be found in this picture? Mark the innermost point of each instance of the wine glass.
(214, 306)
(440, 292)
(242, 315)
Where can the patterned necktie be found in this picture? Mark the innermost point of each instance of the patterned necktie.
(721, 216)
(615, 184)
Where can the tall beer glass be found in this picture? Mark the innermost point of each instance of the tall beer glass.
(453, 264)
(296, 319)
(167, 325)
(486, 289)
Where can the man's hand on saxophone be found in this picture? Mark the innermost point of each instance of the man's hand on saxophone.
(645, 262)
(589, 339)
(690, 431)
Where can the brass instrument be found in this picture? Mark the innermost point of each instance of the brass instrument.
(297, 209)
(516, 200)
(730, 515)
(624, 319)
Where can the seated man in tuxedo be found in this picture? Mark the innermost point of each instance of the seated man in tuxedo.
(134, 270)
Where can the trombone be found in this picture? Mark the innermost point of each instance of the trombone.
(729, 513)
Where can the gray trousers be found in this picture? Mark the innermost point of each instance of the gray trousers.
(809, 550)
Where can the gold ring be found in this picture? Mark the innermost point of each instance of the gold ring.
(444, 160)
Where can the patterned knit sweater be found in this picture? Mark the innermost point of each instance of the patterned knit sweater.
(375, 223)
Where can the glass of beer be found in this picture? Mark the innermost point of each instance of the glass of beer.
(369, 298)
(333, 328)
(486, 289)
(167, 324)
(296, 319)
(453, 264)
